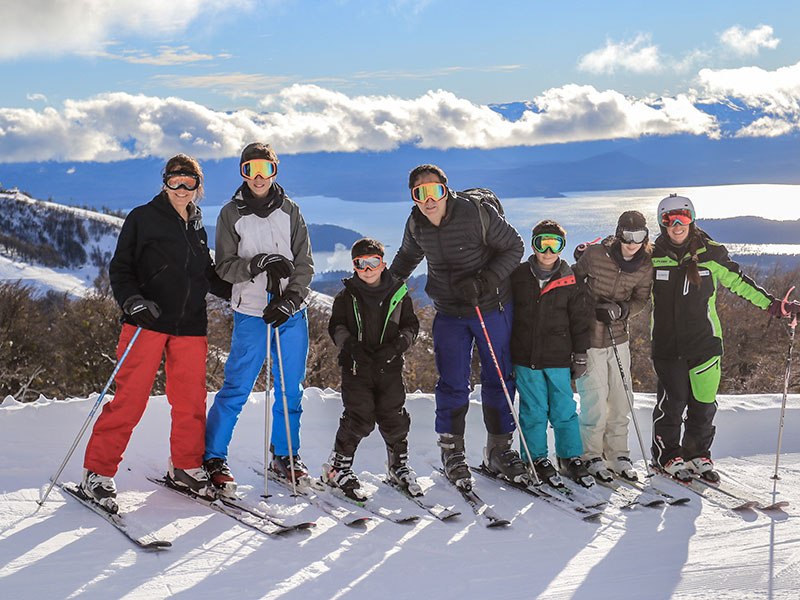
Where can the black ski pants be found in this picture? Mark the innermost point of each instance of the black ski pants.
(675, 398)
(375, 397)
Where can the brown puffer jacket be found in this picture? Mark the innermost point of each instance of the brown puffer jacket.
(604, 278)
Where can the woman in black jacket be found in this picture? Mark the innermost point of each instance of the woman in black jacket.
(160, 274)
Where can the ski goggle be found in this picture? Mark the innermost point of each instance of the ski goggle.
(633, 237)
(259, 166)
(367, 263)
(548, 241)
(176, 181)
(428, 191)
(680, 216)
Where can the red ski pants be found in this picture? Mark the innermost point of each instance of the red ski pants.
(186, 392)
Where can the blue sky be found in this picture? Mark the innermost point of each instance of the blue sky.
(96, 80)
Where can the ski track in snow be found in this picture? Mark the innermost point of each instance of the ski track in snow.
(698, 551)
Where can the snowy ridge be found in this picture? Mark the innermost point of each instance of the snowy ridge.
(698, 551)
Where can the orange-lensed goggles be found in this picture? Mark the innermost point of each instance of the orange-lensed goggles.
(367, 263)
(176, 181)
(548, 241)
(428, 191)
(680, 216)
(259, 166)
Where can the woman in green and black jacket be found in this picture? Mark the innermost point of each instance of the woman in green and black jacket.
(687, 336)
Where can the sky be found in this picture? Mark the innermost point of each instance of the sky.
(89, 80)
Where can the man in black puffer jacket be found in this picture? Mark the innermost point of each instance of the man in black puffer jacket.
(465, 272)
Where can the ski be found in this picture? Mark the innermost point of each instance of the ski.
(348, 517)
(370, 504)
(558, 500)
(709, 493)
(478, 506)
(128, 527)
(735, 490)
(439, 511)
(241, 504)
(649, 488)
(245, 518)
(630, 498)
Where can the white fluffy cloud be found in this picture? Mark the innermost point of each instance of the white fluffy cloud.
(638, 56)
(748, 43)
(308, 118)
(56, 26)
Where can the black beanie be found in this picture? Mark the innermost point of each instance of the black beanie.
(258, 150)
(631, 220)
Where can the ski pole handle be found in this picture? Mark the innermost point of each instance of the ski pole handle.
(55, 477)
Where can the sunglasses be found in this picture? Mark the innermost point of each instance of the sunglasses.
(367, 263)
(259, 166)
(633, 237)
(428, 191)
(187, 181)
(680, 216)
(548, 241)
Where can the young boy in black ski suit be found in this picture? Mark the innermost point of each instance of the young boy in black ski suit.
(373, 324)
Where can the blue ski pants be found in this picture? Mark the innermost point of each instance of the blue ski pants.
(247, 356)
(453, 338)
(546, 395)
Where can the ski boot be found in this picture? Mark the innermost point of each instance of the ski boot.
(624, 468)
(454, 460)
(338, 473)
(503, 461)
(221, 476)
(677, 469)
(597, 469)
(101, 489)
(575, 470)
(546, 472)
(398, 471)
(281, 466)
(194, 480)
(704, 467)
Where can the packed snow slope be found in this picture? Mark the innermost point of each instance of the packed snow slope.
(698, 551)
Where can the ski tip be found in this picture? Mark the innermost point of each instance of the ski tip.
(498, 523)
(157, 545)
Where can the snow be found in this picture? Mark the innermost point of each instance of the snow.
(695, 551)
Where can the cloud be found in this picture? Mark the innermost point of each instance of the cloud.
(234, 84)
(638, 56)
(776, 92)
(41, 27)
(35, 97)
(308, 118)
(166, 56)
(748, 43)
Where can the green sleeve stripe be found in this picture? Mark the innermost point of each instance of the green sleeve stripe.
(739, 284)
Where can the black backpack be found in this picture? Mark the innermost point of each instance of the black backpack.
(479, 197)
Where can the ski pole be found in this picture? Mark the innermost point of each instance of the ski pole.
(55, 477)
(508, 396)
(792, 326)
(266, 410)
(629, 395)
(286, 413)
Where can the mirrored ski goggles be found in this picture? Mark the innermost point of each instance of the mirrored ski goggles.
(633, 237)
(367, 263)
(259, 166)
(680, 216)
(428, 191)
(187, 181)
(549, 241)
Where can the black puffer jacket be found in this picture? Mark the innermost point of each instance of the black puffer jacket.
(550, 324)
(455, 250)
(165, 259)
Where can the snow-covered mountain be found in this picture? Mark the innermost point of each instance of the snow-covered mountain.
(699, 551)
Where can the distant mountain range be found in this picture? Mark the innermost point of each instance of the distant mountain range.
(550, 170)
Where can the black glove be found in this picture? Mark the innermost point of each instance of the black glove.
(144, 312)
(277, 265)
(611, 311)
(579, 366)
(387, 352)
(280, 309)
(775, 308)
(579, 250)
(472, 288)
(354, 351)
